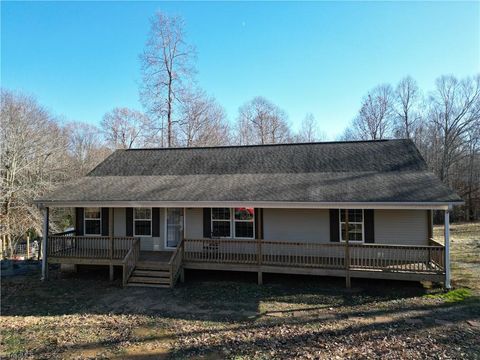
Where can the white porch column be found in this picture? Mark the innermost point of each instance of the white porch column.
(45, 244)
(447, 249)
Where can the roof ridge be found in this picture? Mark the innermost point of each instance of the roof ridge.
(263, 145)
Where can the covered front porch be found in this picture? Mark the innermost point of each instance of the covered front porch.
(379, 260)
(374, 243)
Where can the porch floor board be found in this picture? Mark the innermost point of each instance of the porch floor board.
(158, 256)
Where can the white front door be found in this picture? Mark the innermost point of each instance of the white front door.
(174, 227)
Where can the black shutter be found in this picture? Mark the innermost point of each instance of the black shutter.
(129, 221)
(156, 222)
(429, 225)
(368, 221)
(334, 226)
(79, 221)
(207, 222)
(258, 223)
(105, 222)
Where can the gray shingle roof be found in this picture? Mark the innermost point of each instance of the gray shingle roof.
(381, 156)
(374, 171)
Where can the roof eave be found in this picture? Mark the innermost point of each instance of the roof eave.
(435, 205)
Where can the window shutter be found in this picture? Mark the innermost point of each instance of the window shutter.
(258, 213)
(129, 221)
(368, 221)
(207, 223)
(334, 226)
(156, 222)
(104, 215)
(429, 225)
(79, 221)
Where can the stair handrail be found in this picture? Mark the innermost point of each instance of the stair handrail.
(175, 263)
(130, 260)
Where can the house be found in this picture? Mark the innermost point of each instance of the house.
(350, 209)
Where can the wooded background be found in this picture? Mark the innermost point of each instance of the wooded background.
(39, 151)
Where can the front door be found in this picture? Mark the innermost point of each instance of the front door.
(174, 227)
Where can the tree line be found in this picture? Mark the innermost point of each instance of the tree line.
(443, 123)
(38, 151)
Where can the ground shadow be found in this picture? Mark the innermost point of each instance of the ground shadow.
(228, 311)
(206, 295)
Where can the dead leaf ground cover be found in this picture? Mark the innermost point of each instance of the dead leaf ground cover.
(226, 315)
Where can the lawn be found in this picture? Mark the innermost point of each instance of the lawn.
(226, 315)
(465, 253)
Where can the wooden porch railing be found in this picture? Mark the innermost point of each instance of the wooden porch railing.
(175, 263)
(405, 258)
(130, 261)
(117, 250)
(91, 247)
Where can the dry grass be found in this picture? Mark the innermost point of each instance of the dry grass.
(465, 254)
(227, 316)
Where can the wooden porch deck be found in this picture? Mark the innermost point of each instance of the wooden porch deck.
(381, 261)
(157, 256)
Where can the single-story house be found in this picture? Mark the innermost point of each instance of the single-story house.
(349, 209)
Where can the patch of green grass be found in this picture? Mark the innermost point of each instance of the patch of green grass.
(453, 295)
(12, 343)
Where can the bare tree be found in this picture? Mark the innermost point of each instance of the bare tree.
(471, 173)
(309, 131)
(85, 147)
(32, 160)
(203, 121)
(167, 67)
(125, 128)
(454, 108)
(407, 98)
(262, 122)
(445, 128)
(374, 120)
(348, 134)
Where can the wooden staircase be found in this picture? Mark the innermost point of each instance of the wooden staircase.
(153, 269)
(151, 274)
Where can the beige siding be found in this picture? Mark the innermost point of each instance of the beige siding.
(146, 243)
(406, 227)
(194, 223)
(296, 225)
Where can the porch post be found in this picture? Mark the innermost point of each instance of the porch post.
(447, 249)
(259, 262)
(110, 234)
(45, 244)
(348, 282)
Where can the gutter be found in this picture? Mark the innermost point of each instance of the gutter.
(260, 204)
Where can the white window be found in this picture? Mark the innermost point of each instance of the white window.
(355, 225)
(221, 222)
(142, 222)
(244, 223)
(93, 221)
(233, 223)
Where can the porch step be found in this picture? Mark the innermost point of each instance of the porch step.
(149, 280)
(152, 265)
(152, 273)
(148, 285)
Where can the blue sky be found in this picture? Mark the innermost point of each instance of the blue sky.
(80, 59)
